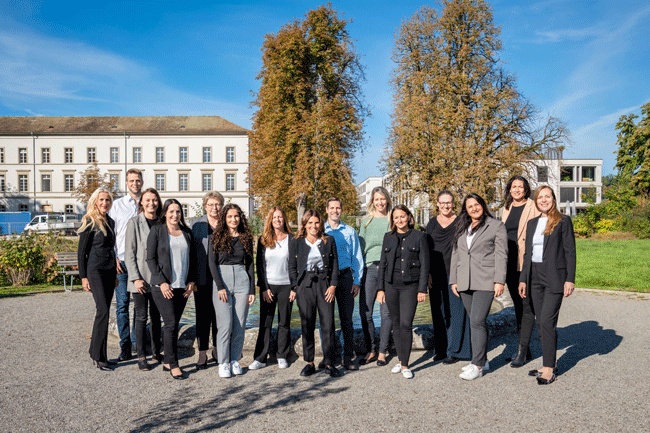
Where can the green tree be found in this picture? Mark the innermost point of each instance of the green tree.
(459, 121)
(91, 179)
(633, 155)
(309, 116)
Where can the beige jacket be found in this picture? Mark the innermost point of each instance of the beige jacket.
(530, 212)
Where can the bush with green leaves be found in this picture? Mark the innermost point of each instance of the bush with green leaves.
(22, 259)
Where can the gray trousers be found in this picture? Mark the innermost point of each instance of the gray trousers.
(231, 315)
(478, 303)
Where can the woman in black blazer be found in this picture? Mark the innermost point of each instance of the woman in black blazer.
(172, 262)
(403, 276)
(313, 275)
(548, 274)
(97, 268)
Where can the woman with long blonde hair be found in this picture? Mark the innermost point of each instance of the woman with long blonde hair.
(97, 268)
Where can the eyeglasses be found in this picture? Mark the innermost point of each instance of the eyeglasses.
(444, 203)
(211, 205)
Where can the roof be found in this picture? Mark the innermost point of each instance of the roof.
(134, 125)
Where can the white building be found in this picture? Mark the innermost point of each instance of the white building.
(42, 158)
(364, 190)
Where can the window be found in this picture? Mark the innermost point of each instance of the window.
(207, 182)
(160, 182)
(160, 154)
(68, 182)
(69, 208)
(115, 155)
(46, 183)
(230, 181)
(2, 155)
(23, 207)
(2, 183)
(3, 208)
(115, 179)
(22, 183)
(45, 155)
(588, 195)
(137, 155)
(182, 154)
(92, 155)
(542, 174)
(567, 194)
(68, 155)
(588, 174)
(22, 155)
(207, 154)
(185, 209)
(566, 174)
(182, 181)
(230, 154)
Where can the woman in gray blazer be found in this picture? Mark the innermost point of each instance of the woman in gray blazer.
(479, 261)
(135, 258)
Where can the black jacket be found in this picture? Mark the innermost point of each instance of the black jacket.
(559, 257)
(298, 252)
(202, 232)
(415, 259)
(159, 258)
(96, 251)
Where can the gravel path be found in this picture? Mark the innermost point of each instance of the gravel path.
(48, 383)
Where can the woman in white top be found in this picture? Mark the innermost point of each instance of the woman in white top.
(275, 288)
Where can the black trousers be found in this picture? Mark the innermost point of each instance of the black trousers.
(267, 313)
(367, 298)
(437, 297)
(310, 296)
(546, 306)
(345, 303)
(402, 301)
(143, 302)
(205, 317)
(102, 287)
(171, 311)
(523, 312)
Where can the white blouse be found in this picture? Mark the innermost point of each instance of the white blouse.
(314, 259)
(277, 263)
(180, 258)
(538, 240)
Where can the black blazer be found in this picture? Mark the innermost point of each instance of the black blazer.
(415, 259)
(559, 257)
(202, 232)
(159, 258)
(96, 251)
(213, 262)
(298, 252)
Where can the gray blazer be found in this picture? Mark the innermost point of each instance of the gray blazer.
(135, 252)
(486, 261)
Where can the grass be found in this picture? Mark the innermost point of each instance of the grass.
(613, 264)
(10, 290)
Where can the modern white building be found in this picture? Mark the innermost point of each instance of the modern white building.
(183, 157)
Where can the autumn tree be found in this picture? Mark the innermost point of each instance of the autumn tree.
(91, 179)
(459, 121)
(633, 155)
(309, 115)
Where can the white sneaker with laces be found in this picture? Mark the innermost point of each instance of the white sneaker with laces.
(485, 367)
(471, 373)
(282, 363)
(224, 370)
(407, 373)
(256, 365)
(236, 368)
(397, 368)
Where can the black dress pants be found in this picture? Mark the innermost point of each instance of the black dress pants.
(438, 294)
(345, 303)
(171, 311)
(102, 287)
(205, 317)
(402, 301)
(546, 305)
(143, 302)
(310, 296)
(267, 313)
(523, 313)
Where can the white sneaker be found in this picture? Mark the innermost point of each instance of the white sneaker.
(467, 367)
(282, 363)
(224, 370)
(236, 368)
(485, 367)
(397, 368)
(407, 373)
(471, 373)
(255, 365)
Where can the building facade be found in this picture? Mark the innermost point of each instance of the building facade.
(42, 159)
(364, 191)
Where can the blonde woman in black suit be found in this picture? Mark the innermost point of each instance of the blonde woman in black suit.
(548, 274)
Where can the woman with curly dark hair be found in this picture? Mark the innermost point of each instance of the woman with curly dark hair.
(230, 257)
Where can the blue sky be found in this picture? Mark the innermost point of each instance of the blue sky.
(586, 62)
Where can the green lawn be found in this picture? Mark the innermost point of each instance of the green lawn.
(9, 290)
(613, 265)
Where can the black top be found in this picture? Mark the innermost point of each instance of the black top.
(397, 271)
(151, 222)
(512, 222)
(413, 263)
(96, 250)
(239, 256)
(442, 239)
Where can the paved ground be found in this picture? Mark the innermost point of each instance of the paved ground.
(47, 382)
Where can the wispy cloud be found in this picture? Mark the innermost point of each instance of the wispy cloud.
(546, 36)
(607, 121)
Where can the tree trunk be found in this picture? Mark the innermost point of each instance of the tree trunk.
(301, 202)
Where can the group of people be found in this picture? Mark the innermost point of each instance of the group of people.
(462, 261)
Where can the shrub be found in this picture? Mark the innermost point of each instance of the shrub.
(20, 257)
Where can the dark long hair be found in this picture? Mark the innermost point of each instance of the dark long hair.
(163, 218)
(302, 231)
(403, 208)
(221, 238)
(509, 186)
(159, 208)
(464, 220)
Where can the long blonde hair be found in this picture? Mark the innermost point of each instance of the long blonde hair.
(93, 218)
(554, 215)
(371, 204)
(268, 236)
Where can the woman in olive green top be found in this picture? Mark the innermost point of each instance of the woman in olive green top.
(371, 236)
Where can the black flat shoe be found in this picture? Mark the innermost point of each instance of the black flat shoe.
(143, 365)
(382, 363)
(201, 366)
(450, 360)
(179, 377)
(333, 371)
(308, 370)
(537, 373)
(542, 381)
(103, 366)
(364, 361)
